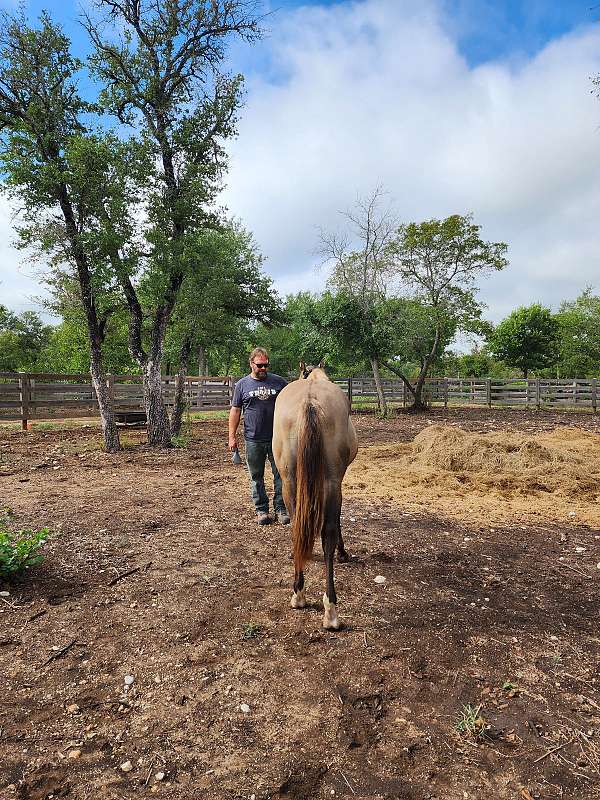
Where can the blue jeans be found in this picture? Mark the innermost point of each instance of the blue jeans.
(256, 458)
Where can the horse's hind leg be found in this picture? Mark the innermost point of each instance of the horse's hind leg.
(298, 598)
(331, 537)
(342, 554)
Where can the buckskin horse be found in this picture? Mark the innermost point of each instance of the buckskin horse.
(314, 441)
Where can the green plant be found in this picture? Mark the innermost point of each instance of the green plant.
(470, 722)
(180, 440)
(250, 630)
(509, 686)
(19, 550)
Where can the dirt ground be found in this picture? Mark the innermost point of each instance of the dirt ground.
(157, 571)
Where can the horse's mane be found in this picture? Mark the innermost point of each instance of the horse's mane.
(317, 374)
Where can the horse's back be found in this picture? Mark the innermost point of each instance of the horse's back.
(333, 408)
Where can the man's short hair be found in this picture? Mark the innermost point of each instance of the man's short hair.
(258, 351)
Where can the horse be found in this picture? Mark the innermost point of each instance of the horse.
(314, 441)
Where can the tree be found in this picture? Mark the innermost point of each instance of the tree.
(163, 76)
(22, 340)
(479, 363)
(225, 286)
(439, 262)
(360, 276)
(412, 333)
(41, 130)
(527, 339)
(579, 341)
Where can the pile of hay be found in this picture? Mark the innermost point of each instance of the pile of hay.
(498, 476)
(456, 450)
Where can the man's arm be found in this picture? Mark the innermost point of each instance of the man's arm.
(234, 420)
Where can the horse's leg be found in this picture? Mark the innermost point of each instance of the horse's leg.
(330, 539)
(298, 598)
(289, 498)
(342, 553)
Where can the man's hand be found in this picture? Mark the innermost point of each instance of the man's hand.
(234, 420)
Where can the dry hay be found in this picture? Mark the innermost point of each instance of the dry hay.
(493, 477)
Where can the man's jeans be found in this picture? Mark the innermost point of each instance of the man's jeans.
(256, 457)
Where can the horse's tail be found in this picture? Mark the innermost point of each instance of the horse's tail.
(310, 479)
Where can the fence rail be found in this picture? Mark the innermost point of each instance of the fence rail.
(29, 396)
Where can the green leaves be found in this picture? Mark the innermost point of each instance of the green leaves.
(579, 322)
(528, 338)
(19, 550)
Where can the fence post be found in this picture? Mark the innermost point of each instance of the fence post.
(594, 394)
(445, 392)
(25, 397)
(488, 391)
(350, 391)
(538, 395)
(403, 395)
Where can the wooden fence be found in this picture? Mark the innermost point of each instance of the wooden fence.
(531, 392)
(28, 396)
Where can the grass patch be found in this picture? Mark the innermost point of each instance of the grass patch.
(19, 549)
(200, 416)
(470, 723)
(250, 630)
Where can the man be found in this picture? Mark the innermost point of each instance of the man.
(256, 394)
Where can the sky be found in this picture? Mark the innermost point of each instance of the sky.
(453, 106)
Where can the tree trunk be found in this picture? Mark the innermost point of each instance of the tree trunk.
(377, 378)
(179, 404)
(95, 329)
(401, 375)
(159, 434)
(105, 406)
(418, 404)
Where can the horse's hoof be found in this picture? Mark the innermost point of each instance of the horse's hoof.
(331, 621)
(298, 600)
(343, 556)
(331, 624)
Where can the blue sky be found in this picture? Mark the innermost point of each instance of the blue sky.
(454, 106)
(485, 29)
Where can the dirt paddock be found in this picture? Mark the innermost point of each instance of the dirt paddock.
(156, 571)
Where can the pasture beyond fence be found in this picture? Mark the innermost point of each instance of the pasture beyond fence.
(31, 396)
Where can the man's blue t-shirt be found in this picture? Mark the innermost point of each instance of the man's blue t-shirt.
(257, 399)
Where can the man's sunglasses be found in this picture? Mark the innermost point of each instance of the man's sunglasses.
(261, 366)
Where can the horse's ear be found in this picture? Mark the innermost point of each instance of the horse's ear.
(321, 364)
(302, 366)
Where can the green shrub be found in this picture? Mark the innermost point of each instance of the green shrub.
(19, 550)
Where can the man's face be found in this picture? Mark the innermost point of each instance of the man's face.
(260, 367)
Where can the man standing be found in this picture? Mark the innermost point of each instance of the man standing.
(256, 394)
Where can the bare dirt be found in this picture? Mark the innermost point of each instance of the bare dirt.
(156, 570)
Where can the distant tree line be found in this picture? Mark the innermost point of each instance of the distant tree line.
(530, 341)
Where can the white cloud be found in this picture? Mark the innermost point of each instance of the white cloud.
(19, 283)
(377, 91)
(360, 93)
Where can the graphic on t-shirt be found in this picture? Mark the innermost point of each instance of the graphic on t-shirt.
(263, 393)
